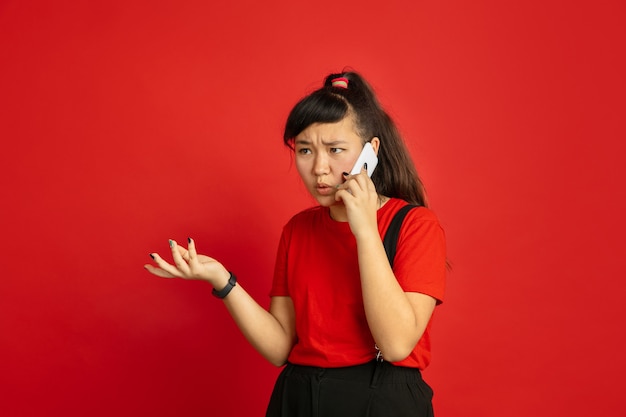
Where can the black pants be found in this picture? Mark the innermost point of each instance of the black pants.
(375, 389)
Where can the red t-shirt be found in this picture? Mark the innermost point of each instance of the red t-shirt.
(317, 267)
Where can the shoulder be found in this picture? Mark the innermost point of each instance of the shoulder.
(417, 214)
(422, 214)
(419, 225)
(305, 218)
(307, 214)
(420, 260)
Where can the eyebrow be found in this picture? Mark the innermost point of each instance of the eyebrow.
(331, 143)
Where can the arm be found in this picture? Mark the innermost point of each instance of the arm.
(271, 333)
(396, 319)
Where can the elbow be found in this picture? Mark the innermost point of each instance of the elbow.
(278, 352)
(396, 354)
(399, 350)
(277, 362)
(278, 357)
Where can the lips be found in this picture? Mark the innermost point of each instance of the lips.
(324, 189)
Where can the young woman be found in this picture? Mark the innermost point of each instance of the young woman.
(352, 330)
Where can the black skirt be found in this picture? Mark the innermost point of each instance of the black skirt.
(374, 389)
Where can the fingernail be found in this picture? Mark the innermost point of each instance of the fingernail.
(188, 240)
(171, 243)
(365, 165)
(152, 256)
(345, 174)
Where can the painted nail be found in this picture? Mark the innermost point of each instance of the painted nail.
(171, 243)
(188, 240)
(365, 165)
(345, 174)
(152, 256)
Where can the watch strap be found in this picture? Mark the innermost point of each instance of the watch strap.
(232, 281)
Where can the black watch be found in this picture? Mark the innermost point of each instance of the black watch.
(232, 281)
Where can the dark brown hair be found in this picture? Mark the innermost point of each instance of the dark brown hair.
(395, 175)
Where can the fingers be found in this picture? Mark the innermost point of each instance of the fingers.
(164, 269)
(184, 253)
(365, 180)
(187, 262)
(194, 260)
(357, 187)
(177, 254)
(191, 249)
(355, 183)
(158, 271)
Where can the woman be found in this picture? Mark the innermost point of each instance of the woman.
(353, 331)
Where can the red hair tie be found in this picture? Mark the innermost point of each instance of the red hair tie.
(340, 82)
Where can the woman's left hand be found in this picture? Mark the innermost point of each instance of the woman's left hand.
(361, 200)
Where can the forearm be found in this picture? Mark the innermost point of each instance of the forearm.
(390, 315)
(260, 327)
(272, 332)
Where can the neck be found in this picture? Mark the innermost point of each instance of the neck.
(339, 213)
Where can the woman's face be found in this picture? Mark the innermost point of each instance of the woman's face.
(323, 152)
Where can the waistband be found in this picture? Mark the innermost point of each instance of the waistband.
(371, 372)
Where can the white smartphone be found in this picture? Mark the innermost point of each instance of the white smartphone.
(367, 156)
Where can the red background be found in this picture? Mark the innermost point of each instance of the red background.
(125, 123)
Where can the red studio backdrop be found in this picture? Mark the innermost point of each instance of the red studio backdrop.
(126, 123)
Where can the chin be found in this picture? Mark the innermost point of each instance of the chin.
(327, 201)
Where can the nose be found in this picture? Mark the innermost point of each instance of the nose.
(320, 166)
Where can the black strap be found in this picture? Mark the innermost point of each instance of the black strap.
(232, 281)
(390, 241)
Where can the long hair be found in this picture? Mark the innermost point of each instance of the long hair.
(395, 175)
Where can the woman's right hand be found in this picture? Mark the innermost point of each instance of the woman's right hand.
(189, 265)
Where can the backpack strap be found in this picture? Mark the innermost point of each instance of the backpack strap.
(390, 241)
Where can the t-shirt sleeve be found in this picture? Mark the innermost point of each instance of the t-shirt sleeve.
(420, 262)
(279, 283)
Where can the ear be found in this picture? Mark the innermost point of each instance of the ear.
(375, 144)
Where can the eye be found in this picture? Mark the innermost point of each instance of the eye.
(304, 151)
(336, 150)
